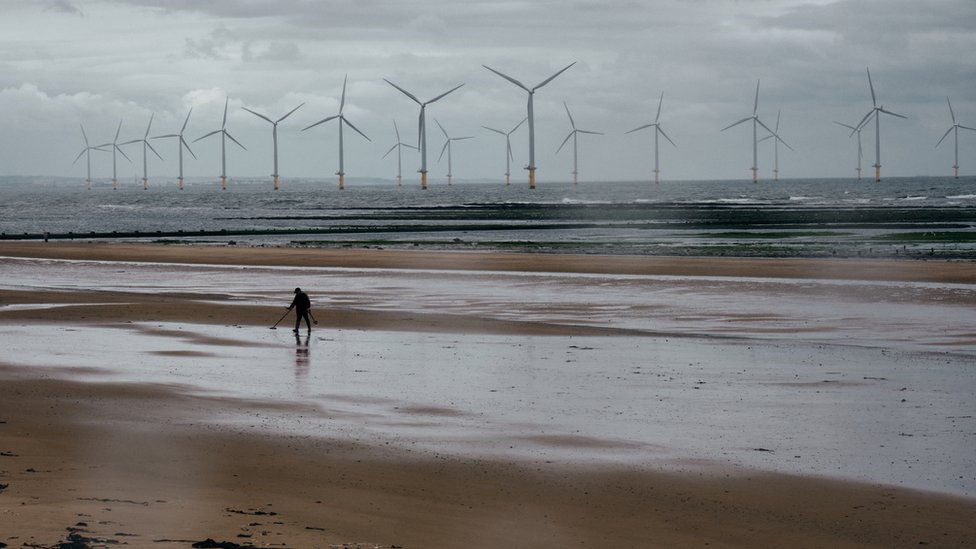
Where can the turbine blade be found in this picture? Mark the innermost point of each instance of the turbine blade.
(82, 153)
(443, 94)
(778, 112)
(234, 140)
(493, 129)
(509, 78)
(882, 109)
(85, 135)
(123, 153)
(405, 92)
(774, 134)
(865, 120)
(571, 121)
(564, 141)
(195, 140)
(845, 125)
(135, 141)
(159, 136)
(342, 102)
(952, 114)
(550, 79)
(737, 123)
(946, 134)
(343, 119)
(462, 138)
(186, 121)
(590, 132)
(324, 120)
(289, 113)
(391, 150)
(510, 155)
(149, 125)
(874, 101)
(117, 131)
(443, 131)
(224, 123)
(396, 130)
(187, 145)
(660, 101)
(966, 128)
(755, 106)
(517, 126)
(259, 115)
(153, 150)
(640, 128)
(765, 138)
(666, 136)
(444, 148)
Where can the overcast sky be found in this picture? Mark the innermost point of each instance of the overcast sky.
(70, 62)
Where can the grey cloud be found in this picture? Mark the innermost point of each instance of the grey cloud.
(64, 6)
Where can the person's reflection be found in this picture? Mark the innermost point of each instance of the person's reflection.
(301, 359)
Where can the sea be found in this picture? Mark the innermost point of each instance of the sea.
(920, 217)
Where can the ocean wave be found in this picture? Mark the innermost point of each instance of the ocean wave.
(962, 197)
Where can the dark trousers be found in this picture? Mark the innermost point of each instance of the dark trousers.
(299, 315)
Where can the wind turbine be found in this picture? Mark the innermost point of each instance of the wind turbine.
(274, 137)
(180, 145)
(508, 147)
(342, 120)
(224, 134)
(145, 159)
(576, 131)
(775, 147)
(115, 147)
(399, 147)
(954, 128)
(657, 131)
(875, 112)
(755, 142)
(859, 149)
(422, 128)
(530, 115)
(447, 147)
(86, 152)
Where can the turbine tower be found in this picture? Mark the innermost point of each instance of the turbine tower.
(115, 147)
(224, 134)
(755, 127)
(447, 147)
(145, 155)
(574, 133)
(775, 147)
(954, 128)
(274, 137)
(876, 111)
(342, 120)
(399, 147)
(657, 131)
(859, 149)
(508, 147)
(86, 152)
(422, 128)
(180, 145)
(530, 114)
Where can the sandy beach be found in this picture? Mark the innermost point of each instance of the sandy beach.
(482, 400)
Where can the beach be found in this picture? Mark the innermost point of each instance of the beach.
(483, 399)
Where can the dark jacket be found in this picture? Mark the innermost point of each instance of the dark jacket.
(301, 302)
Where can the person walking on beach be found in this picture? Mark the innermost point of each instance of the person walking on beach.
(302, 305)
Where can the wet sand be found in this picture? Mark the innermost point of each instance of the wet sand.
(153, 464)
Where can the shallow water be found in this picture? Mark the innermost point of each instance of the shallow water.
(871, 381)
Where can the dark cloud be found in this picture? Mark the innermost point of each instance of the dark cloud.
(64, 6)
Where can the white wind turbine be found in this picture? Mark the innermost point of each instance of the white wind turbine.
(530, 114)
(115, 147)
(399, 148)
(342, 120)
(180, 145)
(422, 127)
(755, 127)
(447, 147)
(224, 134)
(274, 137)
(657, 131)
(145, 155)
(876, 113)
(86, 152)
(508, 147)
(860, 153)
(776, 147)
(574, 133)
(954, 128)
